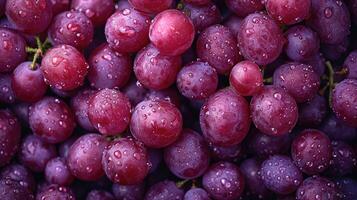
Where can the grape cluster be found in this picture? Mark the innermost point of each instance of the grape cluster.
(178, 99)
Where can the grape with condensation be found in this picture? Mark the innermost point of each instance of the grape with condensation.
(197, 80)
(172, 32)
(72, 28)
(224, 180)
(317, 187)
(344, 159)
(108, 68)
(334, 52)
(31, 17)
(12, 50)
(231, 153)
(317, 62)
(330, 19)
(242, 8)
(218, 46)
(54, 191)
(225, 118)
(151, 6)
(127, 30)
(98, 11)
(347, 188)
(134, 192)
(27, 83)
(156, 123)
(125, 161)
(313, 112)
(85, 155)
(311, 151)
(51, 119)
(57, 172)
(12, 189)
(351, 65)
(289, 11)
(280, 175)
(188, 156)
(64, 67)
(274, 111)
(6, 92)
(344, 101)
(21, 174)
(260, 39)
(154, 70)
(246, 78)
(164, 190)
(299, 80)
(302, 43)
(170, 94)
(80, 105)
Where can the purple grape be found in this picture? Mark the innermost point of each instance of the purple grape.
(55, 192)
(347, 188)
(129, 192)
(21, 111)
(344, 159)
(280, 175)
(135, 91)
(7, 95)
(330, 19)
(225, 118)
(231, 153)
(164, 190)
(234, 24)
(288, 11)
(35, 153)
(224, 180)
(274, 111)
(80, 105)
(351, 64)
(337, 130)
(59, 6)
(188, 156)
(352, 5)
(57, 172)
(151, 6)
(2, 7)
(20, 174)
(335, 51)
(196, 194)
(317, 62)
(99, 195)
(64, 147)
(242, 8)
(170, 94)
(312, 113)
(13, 190)
(317, 188)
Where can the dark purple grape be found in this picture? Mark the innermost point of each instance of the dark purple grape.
(35, 153)
(317, 188)
(352, 5)
(64, 67)
(299, 80)
(202, 16)
(99, 195)
(27, 83)
(198, 2)
(274, 111)
(347, 188)
(64, 147)
(288, 11)
(13, 190)
(98, 11)
(330, 19)
(72, 28)
(233, 23)
(151, 6)
(129, 192)
(231, 153)
(337, 130)
(10, 132)
(246, 78)
(260, 39)
(196, 194)
(171, 95)
(155, 158)
(218, 46)
(225, 118)
(224, 180)
(6, 92)
(31, 17)
(188, 156)
(109, 111)
(156, 123)
(59, 6)
(126, 161)
(255, 186)
(57, 172)
(344, 159)
(12, 50)
(85, 155)
(2, 7)
(63, 93)
(318, 63)
(335, 51)
(135, 91)
(351, 64)
(302, 43)
(51, 119)
(197, 80)
(263, 146)
(108, 68)
(55, 192)
(172, 32)
(280, 175)
(21, 111)
(164, 190)
(242, 8)
(80, 106)
(311, 151)
(312, 113)
(20, 174)
(155, 70)
(344, 101)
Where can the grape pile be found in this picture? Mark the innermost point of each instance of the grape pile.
(178, 99)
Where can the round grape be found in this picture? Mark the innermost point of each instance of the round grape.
(242, 8)
(338, 130)
(20, 174)
(196, 194)
(289, 11)
(12, 50)
(55, 192)
(10, 131)
(80, 106)
(317, 187)
(130, 192)
(99, 195)
(57, 172)
(13, 190)
(351, 65)
(164, 190)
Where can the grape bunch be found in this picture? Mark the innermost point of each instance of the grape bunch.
(178, 99)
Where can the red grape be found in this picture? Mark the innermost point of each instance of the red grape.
(171, 95)
(151, 6)
(242, 8)
(12, 50)
(125, 161)
(172, 32)
(64, 67)
(156, 123)
(51, 119)
(288, 11)
(274, 111)
(59, 6)
(134, 91)
(198, 2)
(260, 39)
(109, 111)
(218, 46)
(233, 23)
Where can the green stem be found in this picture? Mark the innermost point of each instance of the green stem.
(180, 184)
(35, 57)
(268, 80)
(331, 75)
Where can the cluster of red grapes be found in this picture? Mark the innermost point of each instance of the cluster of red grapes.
(178, 100)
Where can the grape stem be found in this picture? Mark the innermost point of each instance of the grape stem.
(268, 80)
(38, 52)
(180, 184)
(331, 75)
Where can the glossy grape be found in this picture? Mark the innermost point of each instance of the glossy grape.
(347, 187)
(319, 187)
(344, 159)
(164, 190)
(338, 130)
(130, 192)
(135, 91)
(6, 92)
(20, 174)
(57, 172)
(196, 194)
(170, 94)
(198, 2)
(317, 62)
(12, 50)
(233, 23)
(231, 153)
(80, 106)
(55, 192)
(151, 6)
(288, 11)
(202, 16)
(59, 6)
(11, 189)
